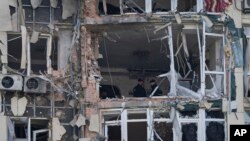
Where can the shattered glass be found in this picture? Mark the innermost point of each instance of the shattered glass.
(215, 131)
(164, 130)
(189, 131)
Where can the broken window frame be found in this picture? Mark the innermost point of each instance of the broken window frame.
(51, 111)
(204, 71)
(148, 7)
(106, 129)
(201, 123)
(49, 45)
(28, 120)
(34, 22)
(13, 33)
(121, 5)
(29, 127)
(219, 120)
(199, 7)
(124, 120)
(192, 122)
(48, 52)
(188, 118)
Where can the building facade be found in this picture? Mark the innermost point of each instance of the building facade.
(69, 68)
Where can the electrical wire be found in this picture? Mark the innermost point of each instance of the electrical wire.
(178, 64)
(107, 61)
(147, 34)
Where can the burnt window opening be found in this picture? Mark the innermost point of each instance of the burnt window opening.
(215, 131)
(214, 114)
(54, 53)
(128, 59)
(161, 114)
(133, 6)
(164, 130)
(127, 6)
(137, 131)
(109, 91)
(38, 19)
(187, 6)
(14, 51)
(188, 114)
(20, 130)
(137, 115)
(189, 132)
(145, 57)
(114, 133)
(112, 7)
(37, 124)
(38, 53)
(161, 6)
(112, 117)
(215, 57)
(137, 127)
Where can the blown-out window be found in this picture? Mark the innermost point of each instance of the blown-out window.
(42, 54)
(124, 124)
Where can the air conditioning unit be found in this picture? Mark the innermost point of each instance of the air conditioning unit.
(34, 84)
(246, 6)
(11, 82)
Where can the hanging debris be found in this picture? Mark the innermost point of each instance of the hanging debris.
(5, 16)
(53, 3)
(35, 3)
(69, 8)
(18, 105)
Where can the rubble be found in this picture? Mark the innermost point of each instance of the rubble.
(57, 130)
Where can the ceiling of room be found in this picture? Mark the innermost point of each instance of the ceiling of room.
(138, 48)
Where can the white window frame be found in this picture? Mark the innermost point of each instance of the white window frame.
(201, 121)
(217, 120)
(124, 121)
(48, 37)
(148, 7)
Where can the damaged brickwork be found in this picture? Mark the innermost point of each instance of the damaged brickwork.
(204, 97)
(90, 8)
(69, 67)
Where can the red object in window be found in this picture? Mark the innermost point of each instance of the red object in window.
(217, 5)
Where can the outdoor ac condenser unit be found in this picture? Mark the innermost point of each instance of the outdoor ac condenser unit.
(246, 6)
(11, 82)
(34, 84)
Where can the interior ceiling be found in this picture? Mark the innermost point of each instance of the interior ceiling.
(136, 48)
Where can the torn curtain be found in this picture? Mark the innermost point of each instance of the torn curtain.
(217, 5)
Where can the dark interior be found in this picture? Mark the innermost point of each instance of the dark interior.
(38, 53)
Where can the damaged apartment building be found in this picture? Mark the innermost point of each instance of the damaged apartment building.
(69, 68)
